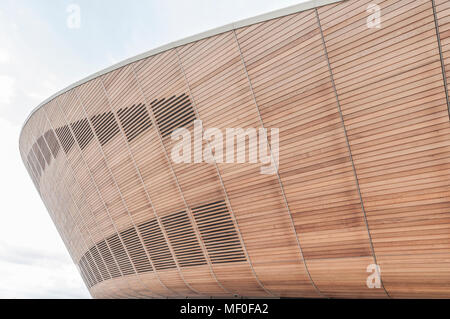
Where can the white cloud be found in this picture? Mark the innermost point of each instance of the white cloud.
(7, 89)
(43, 90)
(28, 272)
(4, 56)
(111, 60)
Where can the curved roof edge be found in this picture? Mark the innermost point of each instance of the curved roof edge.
(228, 27)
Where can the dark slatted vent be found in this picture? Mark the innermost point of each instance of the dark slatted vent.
(65, 137)
(39, 156)
(109, 259)
(87, 271)
(105, 126)
(136, 250)
(36, 163)
(31, 164)
(83, 133)
(52, 142)
(218, 233)
(93, 266)
(183, 240)
(33, 173)
(44, 149)
(173, 113)
(156, 245)
(134, 120)
(84, 276)
(99, 262)
(121, 256)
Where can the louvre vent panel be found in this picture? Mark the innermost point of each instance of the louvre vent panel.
(105, 126)
(109, 259)
(52, 142)
(33, 165)
(183, 240)
(173, 113)
(36, 164)
(121, 256)
(93, 267)
(156, 245)
(39, 156)
(65, 137)
(87, 270)
(134, 120)
(136, 250)
(99, 262)
(31, 169)
(84, 274)
(45, 150)
(82, 132)
(218, 232)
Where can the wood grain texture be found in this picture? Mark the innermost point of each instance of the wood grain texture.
(363, 174)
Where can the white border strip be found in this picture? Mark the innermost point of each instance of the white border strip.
(232, 26)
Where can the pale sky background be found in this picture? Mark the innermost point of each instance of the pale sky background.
(40, 55)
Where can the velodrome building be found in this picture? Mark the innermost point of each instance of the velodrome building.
(359, 92)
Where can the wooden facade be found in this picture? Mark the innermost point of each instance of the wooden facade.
(364, 163)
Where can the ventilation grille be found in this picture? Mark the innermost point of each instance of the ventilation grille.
(109, 259)
(84, 275)
(34, 167)
(121, 256)
(136, 250)
(183, 240)
(105, 126)
(156, 245)
(99, 262)
(218, 233)
(173, 113)
(83, 132)
(93, 267)
(52, 142)
(127, 254)
(134, 120)
(44, 149)
(87, 271)
(65, 137)
(39, 156)
(36, 163)
(32, 173)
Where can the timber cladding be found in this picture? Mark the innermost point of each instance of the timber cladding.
(364, 163)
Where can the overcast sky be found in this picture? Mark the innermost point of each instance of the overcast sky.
(40, 55)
